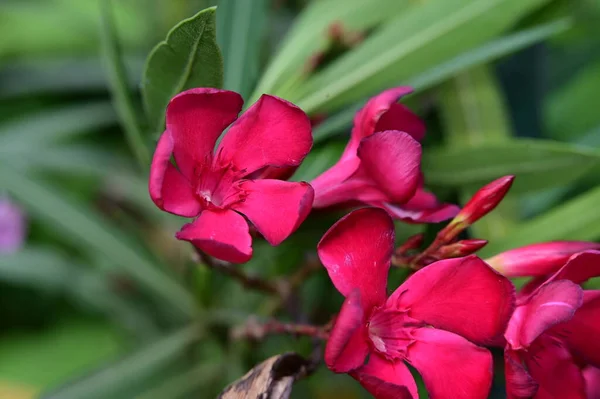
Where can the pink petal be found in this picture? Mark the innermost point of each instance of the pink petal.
(423, 207)
(330, 187)
(399, 117)
(272, 132)
(347, 345)
(168, 188)
(275, 207)
(476, 301)
(538, 259)
(367, 117)
(379, 371)
(357, 252)
(551, 304)
(13, 226)
(553, 368)
(451, 366)
(592, 382)
(580, 267)
(196, 118)
(584, 325)
(519, 384)
(392, 159)
(222, 234)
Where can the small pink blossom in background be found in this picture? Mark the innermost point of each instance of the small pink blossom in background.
(434, 321)
(222, 187)
(552, 346)
(12, 226)
(381, 165)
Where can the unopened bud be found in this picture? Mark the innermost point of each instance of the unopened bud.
(538, 259)
(460, 248)
(413, 242)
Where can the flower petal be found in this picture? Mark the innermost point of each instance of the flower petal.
(196, 118)
(13, 226)
(423, 207)
(222, 234)
(168, 188)
(330, 186)
(451, 366)
(379, 372)
(275, 207)
(519, 384)
(477, 301)
(538, 259)
(347, 345)
(580, 267)
(553, 368)
(399, 117)
(357, 252)
(393, 160)
(592, 382)
(584, 325)
(549, 305)
(272, 132)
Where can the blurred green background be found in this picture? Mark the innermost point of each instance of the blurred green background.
(101, 301)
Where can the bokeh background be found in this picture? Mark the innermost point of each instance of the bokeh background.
(97, 298)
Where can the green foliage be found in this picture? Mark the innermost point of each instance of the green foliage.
(189, 57)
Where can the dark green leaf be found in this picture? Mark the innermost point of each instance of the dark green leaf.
(189, 57)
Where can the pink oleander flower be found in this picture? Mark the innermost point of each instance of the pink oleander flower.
(433, 321)
(12, 227)
(381, 164)
(541, 259)
(552, 350)
(222, 187)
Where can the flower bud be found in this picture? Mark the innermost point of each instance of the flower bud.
(460, 248)
(538, 259)
(413, 242)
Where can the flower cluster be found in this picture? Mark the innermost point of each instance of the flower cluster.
(450, 311)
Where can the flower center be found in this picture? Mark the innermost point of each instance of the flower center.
(390, 332)
(216, 188)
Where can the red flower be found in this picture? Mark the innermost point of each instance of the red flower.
(433, 321)
(551, 337)
(219, 186)
(381, 164)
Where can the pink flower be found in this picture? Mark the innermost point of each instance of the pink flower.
(551, 336)
(541, 259)
(220, 188)
(433, 321)
(381, 164)
(12, 227)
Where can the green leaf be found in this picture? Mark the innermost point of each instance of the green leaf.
(83, 226)
(319, 160)
(36, 267)
(118, 83)
(121, 380)
(437, 74)
(425, 35)
(240, 29)
(538, 164)
(189, 57)
(308, 36)
(577, 219)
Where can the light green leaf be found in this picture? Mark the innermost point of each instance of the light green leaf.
(240, 29)
(118, 84)
(577, 219)
(83, 226)
(121, 379)
(189, 57)
(423, 36)
(437, 74)
(319, 160)
(538, 164)
(35, 267)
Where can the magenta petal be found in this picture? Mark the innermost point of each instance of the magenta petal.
(347, 345)
(272, 132)
(196, 118)
(549, 305)
(580, 267)
(451, 366)
(168, 188)
(399, 117)
(519, 384)
(423, 207)
(592, 382)
(357, 252)
(584, 325)
(330, 187)
(477, 301)
(275, 207)
(393, 160)
(379, 371)
(222, 234)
